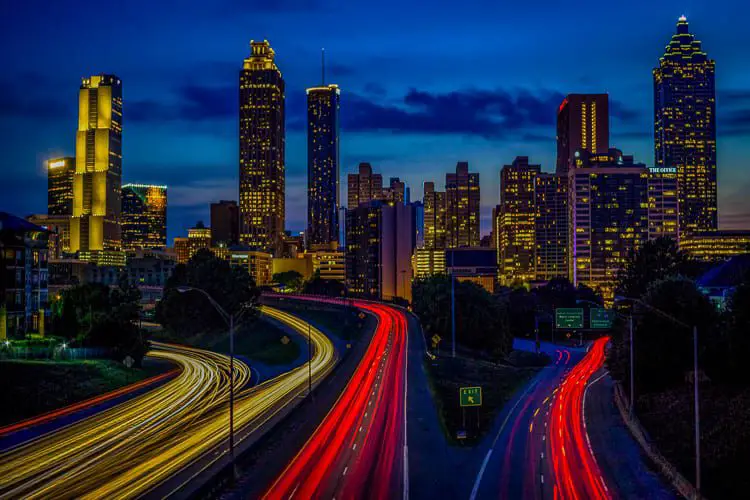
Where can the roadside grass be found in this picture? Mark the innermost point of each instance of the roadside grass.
(35, 387)
(498, 382)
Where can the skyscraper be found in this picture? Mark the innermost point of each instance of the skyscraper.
(322, 164)
(262, 164)
(363, 249)
(462, 207)
(144, 216)
(434, 216)
(663, 204)
(396, 191)
(582, 123)
(608, 200)
(516, 238)
(97, 182)
(364, 186)
(60, 173)
(685, 126)
(551, 228)
(225, 223)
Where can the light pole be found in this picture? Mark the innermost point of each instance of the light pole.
(696, 399)
(453, 306)
(229, 319)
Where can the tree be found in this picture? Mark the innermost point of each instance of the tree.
(664, 349)
(187, 314)
(481, 320)
(731, 360)
(319, 286)
(290, 280)
(654, 260)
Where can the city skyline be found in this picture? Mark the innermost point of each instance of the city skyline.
(395, 143)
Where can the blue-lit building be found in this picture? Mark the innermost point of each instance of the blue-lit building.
(322, 165)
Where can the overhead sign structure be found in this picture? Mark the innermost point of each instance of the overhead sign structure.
(470, 396)
(569, 318)
(600, 319)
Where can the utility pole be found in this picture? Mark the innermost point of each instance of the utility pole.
(632, 365)
(453, 305)
(309, 361)
(231, 391)
(697, 414)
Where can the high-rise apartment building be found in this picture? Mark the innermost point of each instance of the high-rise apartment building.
(60, 174)
(95, 225)
(144, 216)
(582, 124)
(322, 164)
(398, 239)
(364, 186)
(396, 191)
(685, 126)
(663, 203)
(517, 221)
(363, 249)
(608, 206)
(199, 237)
(551, 227)
(225, 223)
(462, 207)
(434, 216)
(262, 164)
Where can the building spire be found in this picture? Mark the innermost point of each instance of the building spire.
(323, 67)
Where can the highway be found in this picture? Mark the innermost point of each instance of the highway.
(131, 449)
(541, 447)
(359, 449)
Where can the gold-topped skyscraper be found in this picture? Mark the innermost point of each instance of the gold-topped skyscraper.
(685, 127)
(261, 150)
(95, 224)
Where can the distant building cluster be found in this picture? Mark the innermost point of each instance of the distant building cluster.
(579, 221)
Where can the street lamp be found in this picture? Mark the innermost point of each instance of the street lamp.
(695, 377)
(230, 320)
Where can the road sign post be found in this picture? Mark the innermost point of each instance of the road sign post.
(470, 396)
(600, 319)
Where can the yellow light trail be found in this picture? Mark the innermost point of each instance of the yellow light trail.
(129, 449)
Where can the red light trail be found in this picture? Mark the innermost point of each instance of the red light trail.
(359, 449)
(576, 471)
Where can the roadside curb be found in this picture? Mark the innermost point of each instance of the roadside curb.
(669, 471)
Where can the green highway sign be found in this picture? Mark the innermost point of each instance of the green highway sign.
(570, 318)
(600, 319)
(470, 396)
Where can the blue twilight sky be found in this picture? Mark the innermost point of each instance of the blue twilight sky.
(424, 84)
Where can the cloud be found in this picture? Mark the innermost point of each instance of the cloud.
(736, 96)
(621, 112)
(192, 103)
(735, 122)
(18, 101)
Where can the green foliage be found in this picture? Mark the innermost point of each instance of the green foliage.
(187, 314)
(656, 260)
(291, 280)
(96, 315)
(481, 320)
(319, 286)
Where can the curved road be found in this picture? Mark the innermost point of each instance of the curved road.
(359, 449)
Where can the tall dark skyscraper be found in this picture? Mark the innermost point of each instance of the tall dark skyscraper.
(225, 223)
(685, 126)
(434, 216)
(60, 173)
(516, 227)
(95, 224)
(462, 202)
(322, 164)
(582, 123)
(551, 231)
(262, 164)
(144, 216)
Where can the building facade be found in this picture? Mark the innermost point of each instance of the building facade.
(144, 216)
(685, 126)
(582, 123)
(225, 223)
(663, 203)
(608, 214)
(428, 262)
(363, 249)
(398, 239)
(23, 276)
(396, 191)
(516, 228)
(551, 227)
(715, 245)
(322, 164)
(199, 237)
(60, 174)
(95, 224)
(462, 207)
(262, 147)
(435, 210)
(364, 186)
